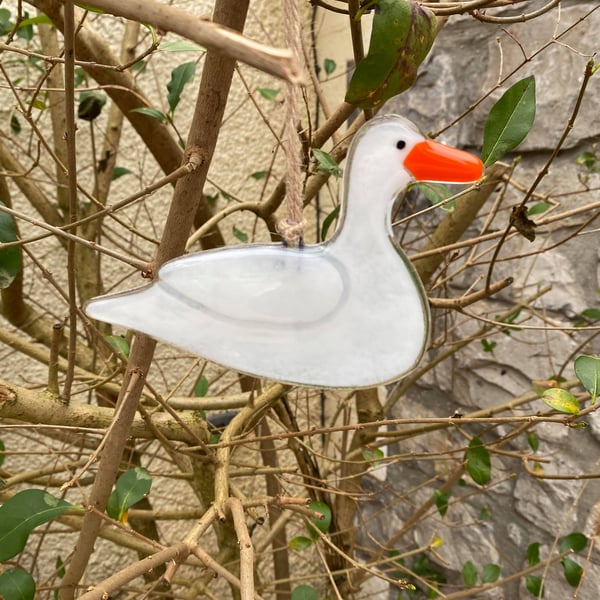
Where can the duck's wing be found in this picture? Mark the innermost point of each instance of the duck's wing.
(266, 286)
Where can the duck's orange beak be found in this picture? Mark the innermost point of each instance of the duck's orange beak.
(432, 161)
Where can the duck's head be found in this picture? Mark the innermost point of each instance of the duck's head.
(391, 149)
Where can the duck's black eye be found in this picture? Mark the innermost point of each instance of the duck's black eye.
(400, 144)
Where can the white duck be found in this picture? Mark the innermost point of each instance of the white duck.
(349, 312)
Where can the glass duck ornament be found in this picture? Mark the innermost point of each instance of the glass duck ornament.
(346, 313)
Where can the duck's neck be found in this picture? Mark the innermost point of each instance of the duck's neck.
(366, 220)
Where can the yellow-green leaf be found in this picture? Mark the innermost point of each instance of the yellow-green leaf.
(561, 400)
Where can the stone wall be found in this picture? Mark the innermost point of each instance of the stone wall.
(467, 62)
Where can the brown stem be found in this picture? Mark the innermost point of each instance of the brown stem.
(69, 35)
(210, 105)
(215, 36)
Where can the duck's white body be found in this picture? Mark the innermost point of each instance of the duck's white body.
(349, 312)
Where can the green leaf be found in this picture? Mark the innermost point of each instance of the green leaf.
(40, 19)
(533, 583)
(573, 572)
(89, 8)
(180, 46)
(304, 592)
(437, 193)
(533, 554)
(130, 488)
(574, 541)
(90, 105)
(441, 501)
(60, 567)
(488, 346)
(25, 28)
(330, 66)
(151, 112)
(258, 175)
(533, 440)
(509, 121)
(587, 369)
(300, 543)
(484, 514)
(478, 461)
(268, 93)
(469, 573)
(328, 221)
(326, 163)
(401, 37)
(538, 209)
(240, 235)
(561, 400)
(180, 76)
(593, 314)
(15, 125)
(2, 450)
(17, 584)
(119, 172)
(119, 344)
(201, 387)
(20, 515)
(322, 524)
(373, 455)
(490, 573)
(10, 258)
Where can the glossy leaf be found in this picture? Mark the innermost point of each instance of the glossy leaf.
(538, 209)
(21, 514)
(90, 105)
(533, 554)
(574, 541)
(533, 583)
(201, 387)
(10, 258)
(329, 65)
(572, 571)
(328, 221)
(15, 125)
(488, 346)
(258, 175)
(469, 573)
(561, 400)
(268, 93)
(304, 592)
(119, 172)
(587, 369)
(300, 543)
(242, 236)
(441, 501)
(490, 573)
(373, 455)
(326, 163)
(119, 344)
(151, 112)
(478, 461)
(402, 35)
(322, 524)
(180, 76)
(180, 46)
(437, 193)
(17, 584)
(533, 440)
(509, 121)
(130, 488)
(593, 314)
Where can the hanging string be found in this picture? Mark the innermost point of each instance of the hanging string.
(292, 227)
